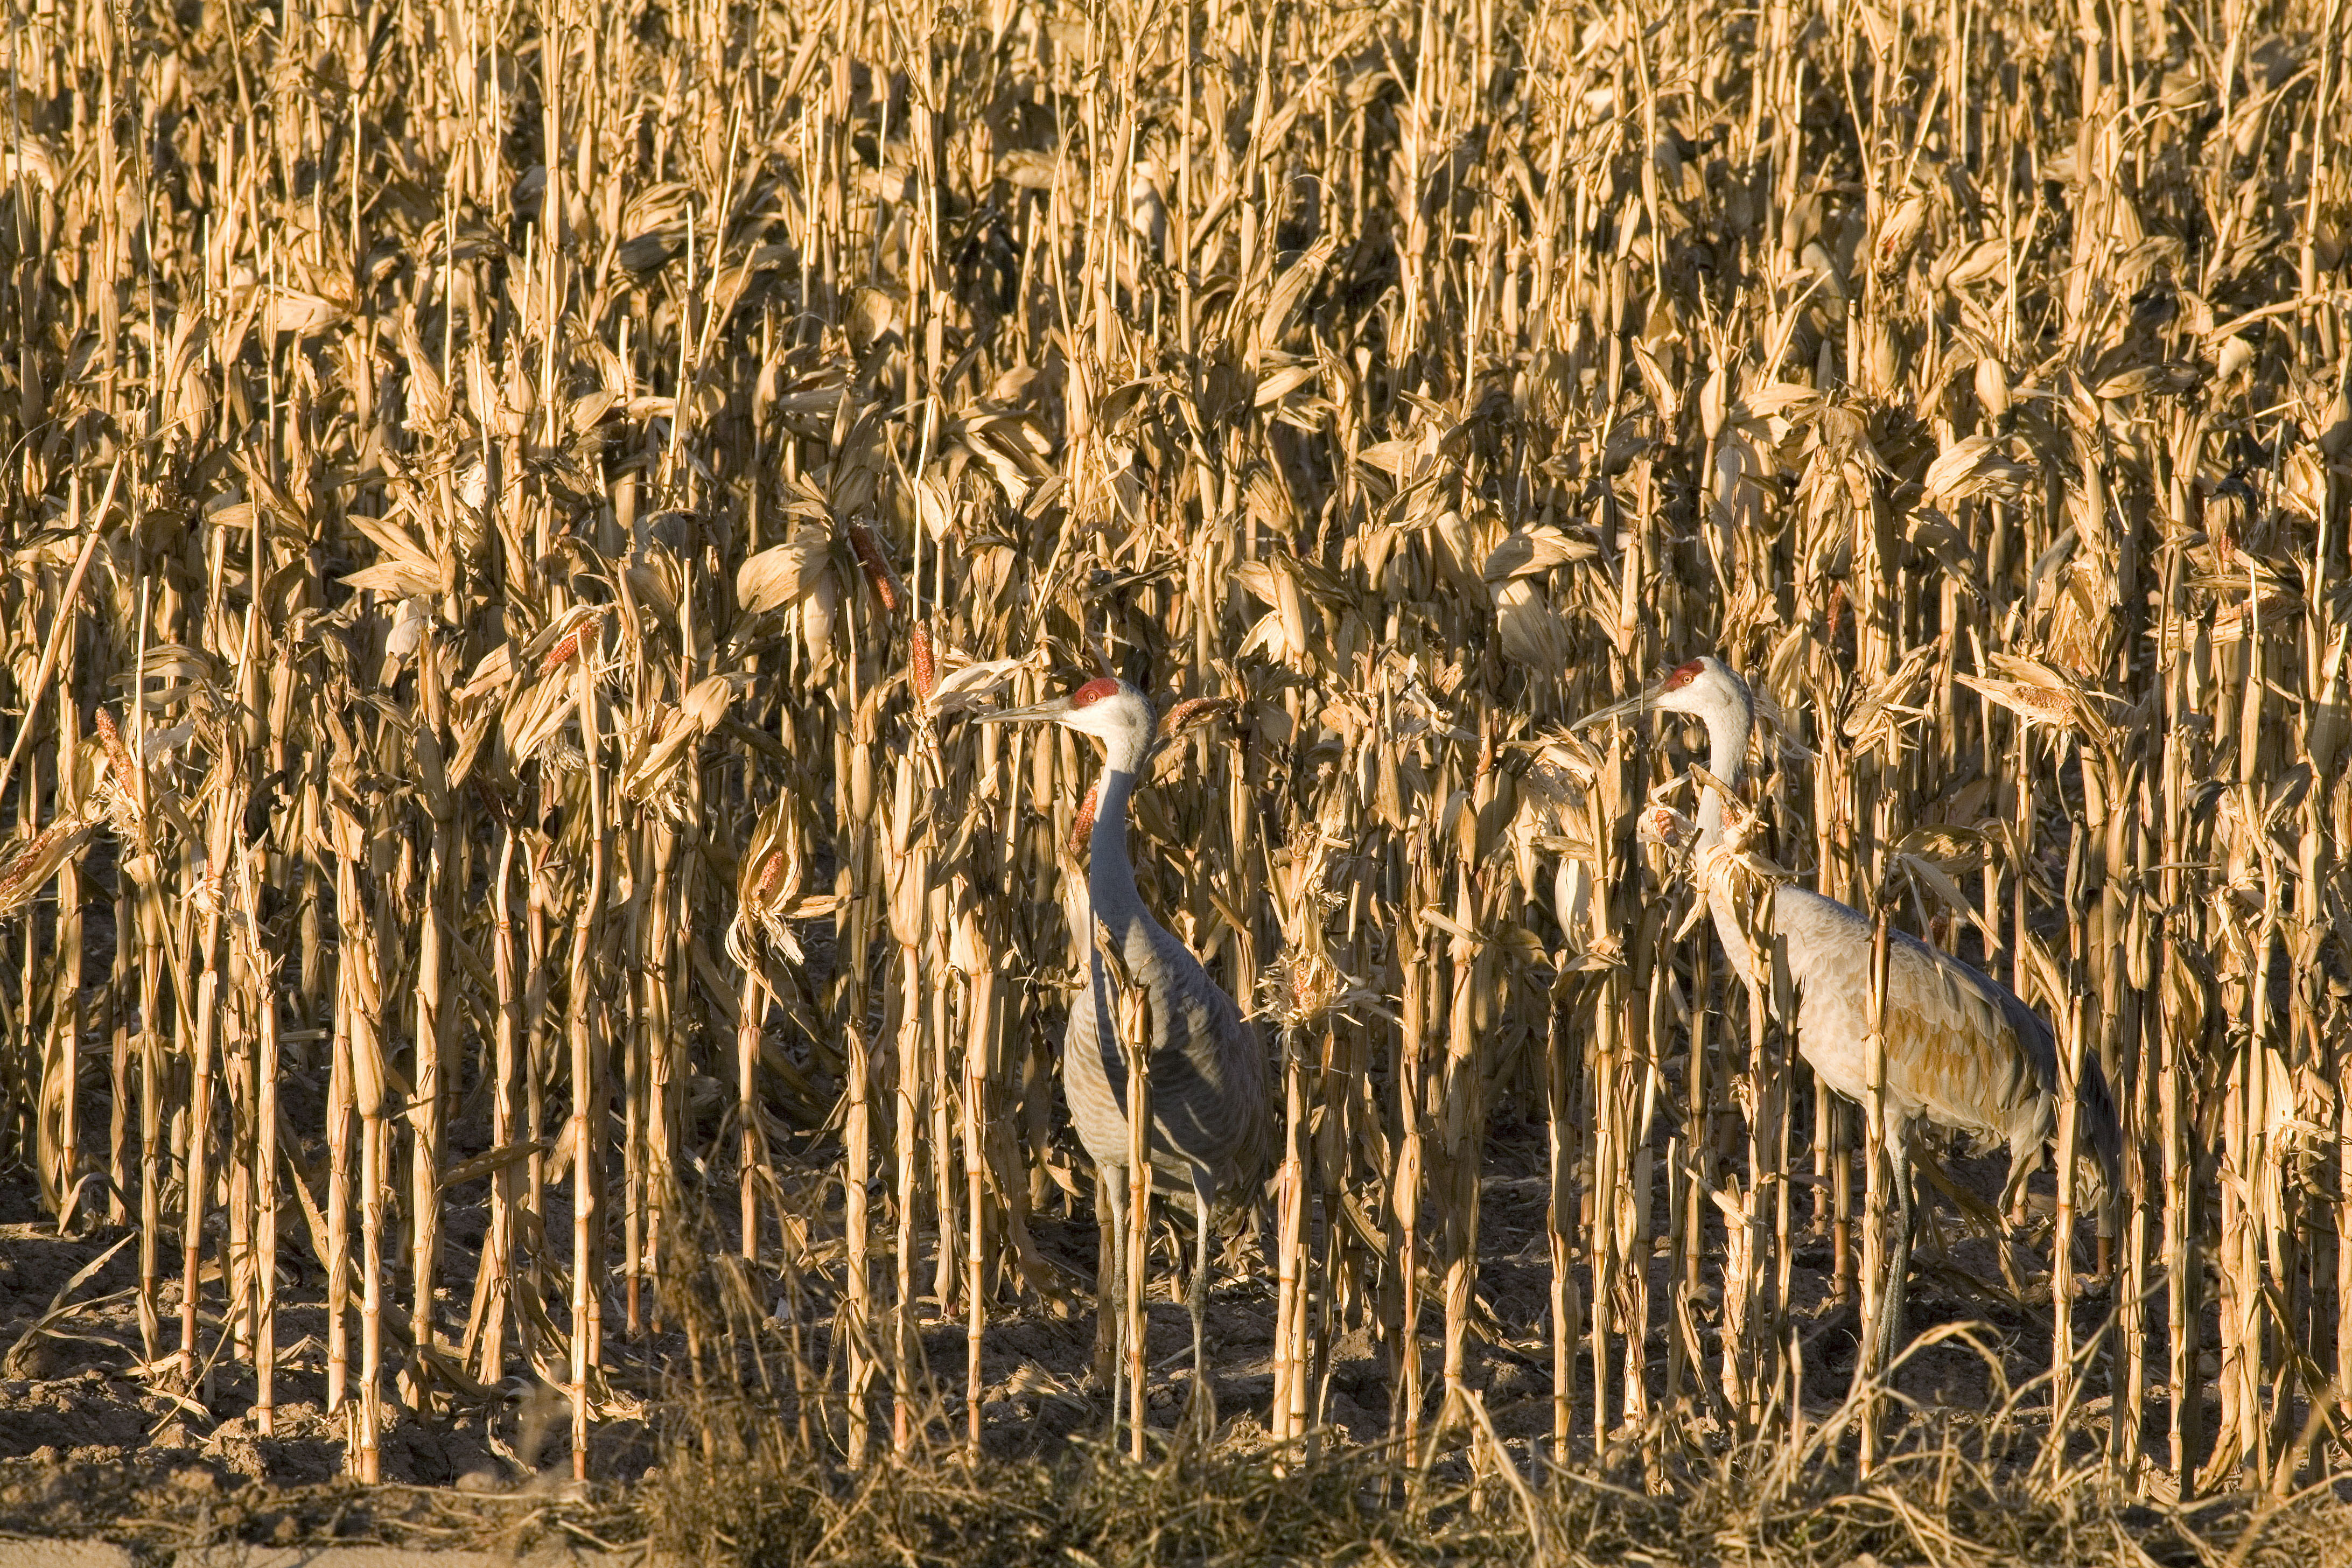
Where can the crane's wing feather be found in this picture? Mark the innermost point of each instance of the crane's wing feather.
(1961, 1049)
(1208, 1065)
(1208, 1078)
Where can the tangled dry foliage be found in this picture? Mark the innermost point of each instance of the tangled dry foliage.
(509, 506)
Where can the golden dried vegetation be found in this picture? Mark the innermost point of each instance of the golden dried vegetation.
(509, 509)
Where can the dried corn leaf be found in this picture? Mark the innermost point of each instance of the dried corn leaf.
(1530, 551)
(767, 887)
(31, 858)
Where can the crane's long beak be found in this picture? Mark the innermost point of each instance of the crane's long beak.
(1056, 708)
(1631, 708)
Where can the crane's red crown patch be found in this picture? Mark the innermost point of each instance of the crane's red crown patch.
(1094, 691)
(1683, 676)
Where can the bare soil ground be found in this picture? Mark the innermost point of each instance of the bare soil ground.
(95, 1438)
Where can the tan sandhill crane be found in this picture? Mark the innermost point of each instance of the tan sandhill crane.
(1211, 1119)
(1962, 1050)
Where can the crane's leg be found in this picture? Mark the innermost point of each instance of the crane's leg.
(1110, 1284)
(1898, 1262)
(1197, 1298)
(2024, 1159)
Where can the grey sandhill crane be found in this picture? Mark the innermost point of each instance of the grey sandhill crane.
(1962, 1050)
(1211, 1119)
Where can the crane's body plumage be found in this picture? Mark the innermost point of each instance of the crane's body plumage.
(1211, 1119)
(1961, 1049)
(1207, 1105)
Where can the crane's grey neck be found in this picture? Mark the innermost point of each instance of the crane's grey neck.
(1728, 724)
(1110, 875)
(1730, 719)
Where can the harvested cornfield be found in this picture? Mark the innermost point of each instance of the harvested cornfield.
(511, 930)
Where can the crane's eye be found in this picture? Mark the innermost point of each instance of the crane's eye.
(1683, 676)
(1094, 691)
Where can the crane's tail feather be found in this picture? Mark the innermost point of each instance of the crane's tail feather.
(2101, 1130)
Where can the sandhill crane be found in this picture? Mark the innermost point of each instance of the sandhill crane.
(1211, 1119)
(1961, 1049)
